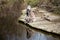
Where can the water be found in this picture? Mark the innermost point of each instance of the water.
(34, 36)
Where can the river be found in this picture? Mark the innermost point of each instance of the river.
(34, 35)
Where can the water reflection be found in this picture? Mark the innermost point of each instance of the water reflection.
(41, 36)
(35, 36)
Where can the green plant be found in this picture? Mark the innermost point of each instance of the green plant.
(32, 2)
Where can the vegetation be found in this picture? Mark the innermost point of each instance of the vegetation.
(57, 11)
(10, 11)
(33, 3)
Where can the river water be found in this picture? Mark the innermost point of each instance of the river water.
(31, 35)
(34, 36)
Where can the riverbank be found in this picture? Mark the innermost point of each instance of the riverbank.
(45, 21)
